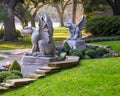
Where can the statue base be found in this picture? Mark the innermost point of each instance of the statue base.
(31, 63)
(76, 44)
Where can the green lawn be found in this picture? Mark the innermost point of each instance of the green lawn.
(95, 77)
(115, 45)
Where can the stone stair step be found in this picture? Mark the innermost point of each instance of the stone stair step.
(7, 85)
(63, 64)
(41, 71)
(35, 76)
(49, 68)
(20, 82)
(3, 89)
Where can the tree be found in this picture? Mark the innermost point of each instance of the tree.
(93, 5)
(60, 7)
(74, 11)
(9, 24)
(115, 5)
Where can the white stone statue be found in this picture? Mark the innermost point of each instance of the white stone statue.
(75, 29)
(75, 35)
(42, 43)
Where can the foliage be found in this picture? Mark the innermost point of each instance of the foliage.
(104, 26)
(95, 77)
(4, 74)
(91, 53)
(66, 46)
(12, 76)
(101, 51)
(75, 52)
(2, 13)
(106, 55)
(16, 72)
(106, 38)
(114, 45)
(15, 66)
(1, 57)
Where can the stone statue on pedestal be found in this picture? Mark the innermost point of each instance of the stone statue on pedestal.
(42, 43)
(43, 48)
(75, 36)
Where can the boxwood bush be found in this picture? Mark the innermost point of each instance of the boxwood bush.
(15, 66)
(104, 26)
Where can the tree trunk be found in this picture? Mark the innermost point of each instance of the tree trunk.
(74, 11)
(9, 24)
(61, 20)
(115, 6)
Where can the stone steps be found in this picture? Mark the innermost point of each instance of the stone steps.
(20, 82)
(3, 89)
(52, 67)
(63, 64)
(35, 76)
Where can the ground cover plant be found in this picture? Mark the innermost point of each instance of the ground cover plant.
(115, 45)
(91, 77)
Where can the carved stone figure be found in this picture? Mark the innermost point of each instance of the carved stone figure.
(42, 42)
(75, 35)
(75, 29)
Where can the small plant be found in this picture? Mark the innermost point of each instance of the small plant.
(91, 53)
(66, 46)
(101, 51)
(1, 57)
(11, 77)
(18, 73)
(106, 55)
(15, 66)
(87, 57)
(76, 53)
(4, 74)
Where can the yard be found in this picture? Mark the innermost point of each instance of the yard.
(95, 77)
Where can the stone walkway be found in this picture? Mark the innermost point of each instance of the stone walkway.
(11, 55)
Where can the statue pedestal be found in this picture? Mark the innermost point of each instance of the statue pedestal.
(31, 63)
(76, 44)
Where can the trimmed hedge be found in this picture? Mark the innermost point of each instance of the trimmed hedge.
(110, 38)
(104, 26)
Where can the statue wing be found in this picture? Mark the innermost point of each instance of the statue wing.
(82, 22)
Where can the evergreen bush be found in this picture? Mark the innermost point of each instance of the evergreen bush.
(104, 26)
(101, 51)
(15, 66)
(4, 74)
(18, 73)
(91, 53)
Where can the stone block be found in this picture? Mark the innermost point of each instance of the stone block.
(31, 63)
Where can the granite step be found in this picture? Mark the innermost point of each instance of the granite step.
(7, 85)
(20, 82)
(35, 76)
(49, 68)
(63, 64)
(3, 89)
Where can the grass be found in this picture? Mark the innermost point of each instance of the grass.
(115, 45)
(93, 77)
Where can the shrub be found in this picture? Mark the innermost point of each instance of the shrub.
(106, 38)
(101, 51)
(84, 50)
(104, 26)
(91, 53)
(66, 46)
(87, 57)
(1, 33)
(15, 66)
(76, 53)
(106, 55)
(4, 74)
(11, 77)
(1, 57)
(18, 73)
